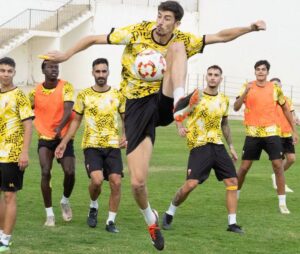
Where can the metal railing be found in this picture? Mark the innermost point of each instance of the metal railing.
(188, 5)
(42, 20)
(231, 86)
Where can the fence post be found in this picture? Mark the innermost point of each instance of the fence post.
(57, 20)
(29, 25)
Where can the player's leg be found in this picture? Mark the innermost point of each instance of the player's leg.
(174, 81)
(113, 170)
(138, 165)
(114, 202)
(93, 159)
(231, 204)
(180, 196)
(68, 165)
(46, 159)
(11, 182)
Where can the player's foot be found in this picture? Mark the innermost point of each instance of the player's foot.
(235, 229)
(92, 217)
(156, 236)
(4, 248)
(283, 209)
(50, 221)
(274, 181)
(287, 189)
(166, 221)
(185, 105)
(111, 227)
(66, 211)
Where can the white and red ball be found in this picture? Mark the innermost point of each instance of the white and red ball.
(150, 65)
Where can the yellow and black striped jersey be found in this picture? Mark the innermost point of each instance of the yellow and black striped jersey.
(204, 123)
(138, 38)
(14, 108)
(100, 110)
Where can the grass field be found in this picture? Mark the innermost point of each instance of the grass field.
(199, 225)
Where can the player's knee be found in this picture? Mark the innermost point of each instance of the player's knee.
(46, 174)
(190, 185)
(138, 186)
(70, 172)
(291, 159)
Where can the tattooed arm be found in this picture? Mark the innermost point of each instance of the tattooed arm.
(227, 135)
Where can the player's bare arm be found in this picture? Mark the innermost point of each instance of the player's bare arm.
(123, 141)
(82, 44)
(24, 156)
(227, 135)
(240, 100)
(233, 33)
(60, 149)
(68, 105)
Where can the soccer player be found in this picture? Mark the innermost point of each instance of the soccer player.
(100, 104)
(203, 130)
(285, 136)
(52, 102)
(261, 99)
(15, 136)
(150, 104)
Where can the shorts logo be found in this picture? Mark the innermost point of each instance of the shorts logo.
(11, 185)
(189, 171)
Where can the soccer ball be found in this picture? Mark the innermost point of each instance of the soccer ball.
(150, 65)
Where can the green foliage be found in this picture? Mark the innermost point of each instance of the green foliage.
(200, 223)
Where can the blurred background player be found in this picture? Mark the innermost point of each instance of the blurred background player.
(151, 104)
(205, 126)
(15, 136)
(52, 102)
(100, 105)
(285, 136)
(261, 99)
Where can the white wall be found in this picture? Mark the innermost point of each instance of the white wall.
(279, 44)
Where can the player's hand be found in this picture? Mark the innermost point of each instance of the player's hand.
(60, 149)
(295, 138)
(233, 153)
(123, 142)
(55, 56)
(258, 25)
(248, 87)
(23, 161)
(182, 131)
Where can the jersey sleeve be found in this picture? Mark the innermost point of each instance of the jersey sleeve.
(121, 36)
(68, 92)
(279, 96)
(195, 44)
(122, 103)
(24, 107)
(79, 104)
(31, 96)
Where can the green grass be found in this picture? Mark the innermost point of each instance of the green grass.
(199, 225)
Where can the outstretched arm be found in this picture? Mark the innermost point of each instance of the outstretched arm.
(82, 44)
(233, 33)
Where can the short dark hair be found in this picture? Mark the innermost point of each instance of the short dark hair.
(174, 7)
(275, 79)
(8, 61)
(100, 61)
(44, 64)
(262, 62)
(216, 67)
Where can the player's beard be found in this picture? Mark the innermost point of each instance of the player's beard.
(100, 82)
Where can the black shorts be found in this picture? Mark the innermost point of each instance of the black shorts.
(109, 160)
(143, 115)
(210, 156)
(11, 177)
(254, 145)
(52, 144)
(287, 145)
